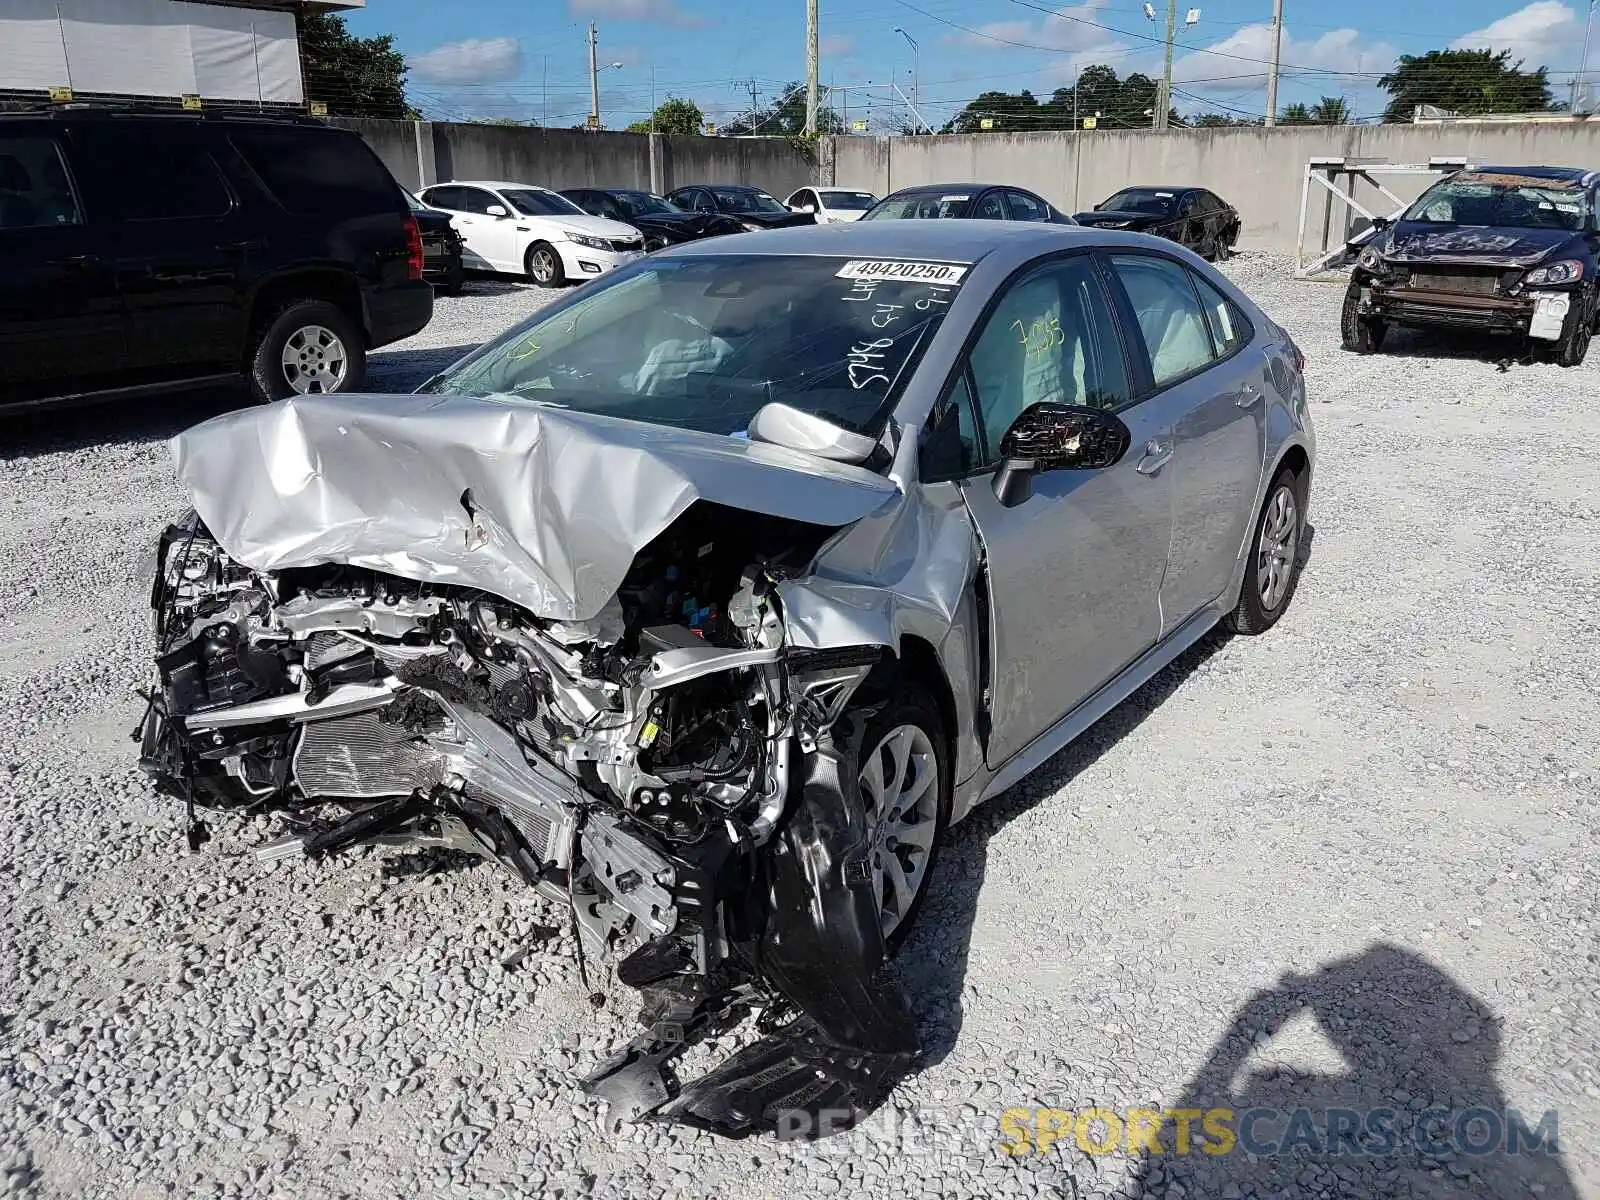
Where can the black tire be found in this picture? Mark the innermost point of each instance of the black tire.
(1573, 347)
(270, 377)
(542, 263)
(889, 699)
(1252, 614)
(1359, 334)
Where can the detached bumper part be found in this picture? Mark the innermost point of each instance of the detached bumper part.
(814, 938)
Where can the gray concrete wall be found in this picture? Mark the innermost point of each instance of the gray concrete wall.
(1259, 171)
(565, 158)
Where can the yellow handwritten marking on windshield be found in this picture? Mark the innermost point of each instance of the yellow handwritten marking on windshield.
(528, 350)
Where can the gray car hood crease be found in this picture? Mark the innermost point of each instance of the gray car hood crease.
(561, 501)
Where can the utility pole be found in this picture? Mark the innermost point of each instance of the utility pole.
(1277, 56)
(1164, 100)
(916, 75)
(811, 68)
(594, 79)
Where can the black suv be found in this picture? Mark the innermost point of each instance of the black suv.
(142, 251)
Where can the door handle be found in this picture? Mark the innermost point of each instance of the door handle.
(246, 244)
(1157, 454)
(75, 260)
(1247, 396)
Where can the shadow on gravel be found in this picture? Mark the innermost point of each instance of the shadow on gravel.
(401, 371)
(933, 964)
(1503, 351)
(485, 284)
(1417, 1101)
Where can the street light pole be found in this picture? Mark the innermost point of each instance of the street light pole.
(916, 73)
(1277, 56)
(1583, 65)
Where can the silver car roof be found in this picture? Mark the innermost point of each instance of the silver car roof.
(937, 241)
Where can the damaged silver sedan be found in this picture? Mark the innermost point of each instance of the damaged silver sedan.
(705, 600)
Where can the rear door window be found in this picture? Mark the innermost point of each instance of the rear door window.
(1025, 207)
(35, 190)
(152, 175)
(316, 172)
(1230, 331)
(990, 207)
(1176, 333)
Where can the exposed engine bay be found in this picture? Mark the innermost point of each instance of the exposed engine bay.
(670, 771)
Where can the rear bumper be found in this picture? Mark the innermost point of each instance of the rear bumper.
(397, 311)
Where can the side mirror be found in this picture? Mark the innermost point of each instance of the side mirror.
(781, 425)
(1382, 223)
(497, 210)
(1057, 437)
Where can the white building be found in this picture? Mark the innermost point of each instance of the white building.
(228, 50)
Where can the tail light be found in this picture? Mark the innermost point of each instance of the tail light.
(413, 248)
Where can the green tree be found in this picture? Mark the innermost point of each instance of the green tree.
(785, 117)
(1219, 121)
(1295, 114)
(1330, 110)
(1470, 82)
(1004, 111)
(353, 76)
(675, 116)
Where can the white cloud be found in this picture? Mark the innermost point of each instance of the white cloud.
(838, 45)
(1544, 30)
(1072, 30)
(476, 60)
(1239, 61)
(659, 12)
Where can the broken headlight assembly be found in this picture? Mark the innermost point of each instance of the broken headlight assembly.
(1554, 274)
(669, 771)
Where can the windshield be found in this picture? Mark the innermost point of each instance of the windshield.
(643, 204)
(921, 206)
(1482, 199)
(1140, 200)
(534, 203)
(703, 343)
(849, 201)
(738, 200)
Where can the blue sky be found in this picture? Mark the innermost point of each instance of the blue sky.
(525, 60)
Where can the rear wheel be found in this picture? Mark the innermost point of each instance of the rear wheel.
(309, 347)
(1273, 571)
(1359, 333)
(543, 265)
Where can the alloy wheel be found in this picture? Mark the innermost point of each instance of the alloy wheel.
(544, 266)
(900, 782)
(1276, 548)
(314, 360)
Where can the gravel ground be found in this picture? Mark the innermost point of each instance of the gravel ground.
(1351, 863)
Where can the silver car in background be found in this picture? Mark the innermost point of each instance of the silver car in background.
(705, 600)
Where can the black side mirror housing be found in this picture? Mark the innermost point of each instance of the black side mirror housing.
(1057, 437)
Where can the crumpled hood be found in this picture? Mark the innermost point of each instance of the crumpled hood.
(1421, 241)
(542, 506)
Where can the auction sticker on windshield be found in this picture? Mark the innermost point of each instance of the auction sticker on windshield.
(930, 272)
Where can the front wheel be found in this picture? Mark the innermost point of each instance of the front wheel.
(1271, 575)
(1360, 334)
(543, 265)
(905, 775)
(1573, 347)
(307, 348)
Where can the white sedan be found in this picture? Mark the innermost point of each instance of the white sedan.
(831, 205)
(521, 229)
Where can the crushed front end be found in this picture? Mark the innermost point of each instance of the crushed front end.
(670, 770)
